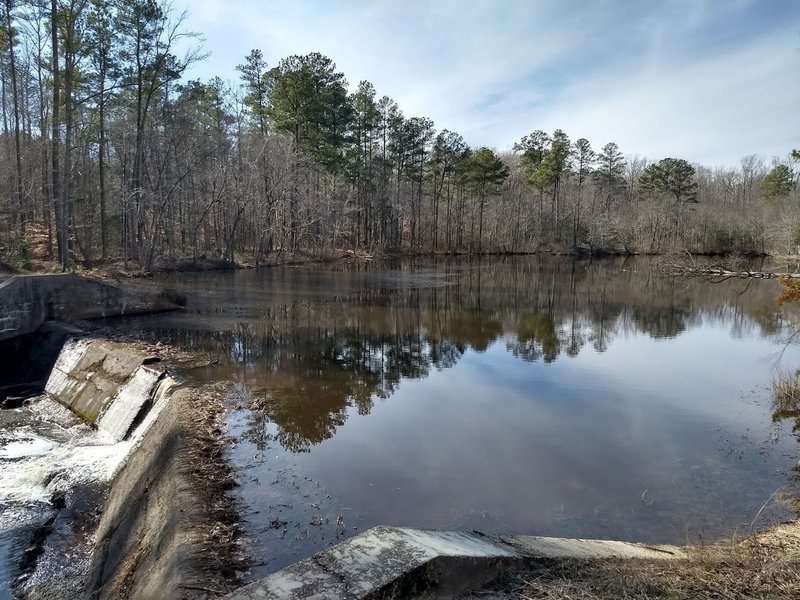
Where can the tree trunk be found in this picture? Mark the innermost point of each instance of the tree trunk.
(61, 225)
(66, 198)
(480, 222)
(20, 216)
(101, 163)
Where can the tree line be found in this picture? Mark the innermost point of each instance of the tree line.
(110, 154)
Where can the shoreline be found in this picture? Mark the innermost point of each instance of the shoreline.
(113, 269)
(763, 564)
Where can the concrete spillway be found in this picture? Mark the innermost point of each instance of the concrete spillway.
(94, 377)
(65, 446)
(93, 382)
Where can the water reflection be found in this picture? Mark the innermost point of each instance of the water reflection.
(541, 396)
(309, 360)
(310, 380)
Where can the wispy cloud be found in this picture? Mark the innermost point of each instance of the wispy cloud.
(707, 80)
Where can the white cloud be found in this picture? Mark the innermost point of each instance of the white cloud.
(683, 78)
(714, 110)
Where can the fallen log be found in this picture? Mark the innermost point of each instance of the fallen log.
(717, 271)
(725, 273)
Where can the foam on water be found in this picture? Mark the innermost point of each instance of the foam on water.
(34, 472)
(24, 443)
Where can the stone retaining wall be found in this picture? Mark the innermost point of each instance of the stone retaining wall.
(26, 301)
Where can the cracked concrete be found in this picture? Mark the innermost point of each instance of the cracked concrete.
(104, 383)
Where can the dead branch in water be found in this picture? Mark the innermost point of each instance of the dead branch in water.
(717, 271)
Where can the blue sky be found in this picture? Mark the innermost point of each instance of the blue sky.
(705, 80)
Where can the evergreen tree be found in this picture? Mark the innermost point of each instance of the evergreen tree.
(610, 173)
(448, 151)
(487, 173)
(255, 78)
(778, 182)
(553, 170)
(308, 99)
(585, 158)
(672, 176)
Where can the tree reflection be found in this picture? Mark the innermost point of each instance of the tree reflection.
(474, 329)
(309, 362)
(536, 337)
(310, 390)
(664, 322)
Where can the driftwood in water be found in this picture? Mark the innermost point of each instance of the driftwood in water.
(700, 271)
(716, 271)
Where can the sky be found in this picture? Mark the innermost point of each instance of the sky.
(706, 80)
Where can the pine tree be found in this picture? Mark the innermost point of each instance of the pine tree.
(487, 173)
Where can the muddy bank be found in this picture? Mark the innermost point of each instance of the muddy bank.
(115, 270)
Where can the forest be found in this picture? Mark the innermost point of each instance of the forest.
(110, 154)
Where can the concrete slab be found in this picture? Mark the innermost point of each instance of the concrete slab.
(135, 396)
(90, 374)
(388, 561)
(60, 385)
(549, 547)
(392, 562)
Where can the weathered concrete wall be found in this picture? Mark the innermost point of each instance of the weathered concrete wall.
(143, 545)
(93, 377)
(393, 562)
(159, 534)
(26, 361)
(26, 301)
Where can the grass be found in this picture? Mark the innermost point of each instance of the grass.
(786, 394)
(765, 565)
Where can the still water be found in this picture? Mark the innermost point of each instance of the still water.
(541, 396)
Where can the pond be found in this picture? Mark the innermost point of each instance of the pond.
(542, 396)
